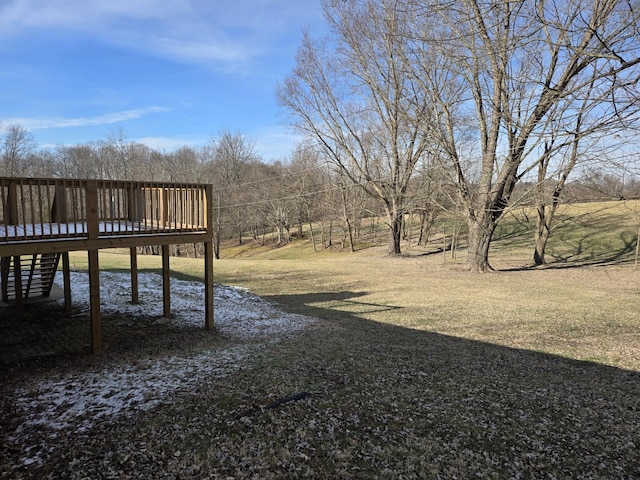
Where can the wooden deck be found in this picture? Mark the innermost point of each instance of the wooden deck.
(45, 217)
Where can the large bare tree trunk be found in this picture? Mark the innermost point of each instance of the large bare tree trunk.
(395, 223)
(480, 235)
(541, 235)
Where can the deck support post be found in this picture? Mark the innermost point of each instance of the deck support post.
(166, 282)
(66, 280)
(17, 273)
(94, 295)
(208, 286)
(209, 321)
(133, 255)
(94, 267)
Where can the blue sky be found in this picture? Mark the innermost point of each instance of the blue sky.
(167, 73)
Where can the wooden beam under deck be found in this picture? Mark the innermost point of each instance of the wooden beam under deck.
(100, 243)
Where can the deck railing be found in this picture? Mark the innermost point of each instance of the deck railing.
(38, 209)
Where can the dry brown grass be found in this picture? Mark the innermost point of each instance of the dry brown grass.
(415, 369)
(586, 313)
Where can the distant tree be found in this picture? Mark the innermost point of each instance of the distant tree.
(355, 98)
(17, 146)
(116, 154)
(227, 159)
(308, 185)
(274, 199)
(183, 165)
(42, 164)
(433, 195)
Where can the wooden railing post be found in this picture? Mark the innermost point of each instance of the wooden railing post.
(92, 209)
(164, 211)
(59, 207)
(11, 213)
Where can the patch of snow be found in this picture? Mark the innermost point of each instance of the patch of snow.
(76, 402)
(237, 312)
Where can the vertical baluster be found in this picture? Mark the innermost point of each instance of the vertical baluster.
(22, 219)
(74, 190)
(3, 207)
(39, 203)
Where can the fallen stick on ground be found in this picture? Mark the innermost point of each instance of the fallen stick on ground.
(290, 398)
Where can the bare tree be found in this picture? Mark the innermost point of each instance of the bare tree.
(230, 154)
(17, 146)
(273, 200)
(354, 97)
(183, 165)
(78, 161)
(500, 71)
(42, 164)
(309, 186)
(117, 156)
(565, 146)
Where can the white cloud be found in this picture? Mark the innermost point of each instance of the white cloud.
(186, 30)
(74, 15)
(105, 119)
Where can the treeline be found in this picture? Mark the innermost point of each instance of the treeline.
(264, 202)
(253, 199)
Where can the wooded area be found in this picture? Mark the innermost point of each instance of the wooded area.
(256, 201)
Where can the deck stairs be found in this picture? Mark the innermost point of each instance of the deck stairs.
(37, 273)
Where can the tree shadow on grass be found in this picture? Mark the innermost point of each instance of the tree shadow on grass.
(465, 408)
(578, 258)
(343, 301)
(387, 401)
